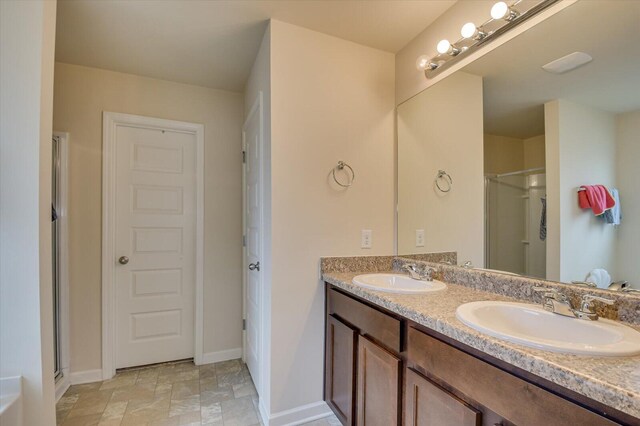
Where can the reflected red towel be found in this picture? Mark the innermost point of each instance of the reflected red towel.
(596, 197)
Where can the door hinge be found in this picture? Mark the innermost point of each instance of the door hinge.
(244, 156)
(244, 241)
(244, 324)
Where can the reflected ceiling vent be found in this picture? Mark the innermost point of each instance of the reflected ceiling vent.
(567, 63)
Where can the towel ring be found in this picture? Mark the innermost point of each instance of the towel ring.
(446, 178)
(341, 165)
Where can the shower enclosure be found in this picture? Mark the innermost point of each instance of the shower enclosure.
(515, 231)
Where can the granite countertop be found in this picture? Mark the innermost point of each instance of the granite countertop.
(613, 381)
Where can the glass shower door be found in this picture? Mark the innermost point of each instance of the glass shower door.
(55, 250)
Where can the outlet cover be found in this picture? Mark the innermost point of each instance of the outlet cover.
(367, 239)
(419, 237)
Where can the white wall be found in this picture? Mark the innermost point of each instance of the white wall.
(628, 156)
(81, 95)
(442, 128)
(27, 35)
(582, 141)
(330, 100)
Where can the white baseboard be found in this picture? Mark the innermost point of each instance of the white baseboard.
(87, 376)
(295, 416)
(211, 357)
(62, 385)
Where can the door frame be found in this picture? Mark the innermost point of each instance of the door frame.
(256, 108)
(110, 122)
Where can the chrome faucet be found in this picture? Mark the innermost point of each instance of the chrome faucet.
(559, 303)
(424, 274)
(467, 265)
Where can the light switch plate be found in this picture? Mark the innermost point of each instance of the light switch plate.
(367, 239)
(419, 237)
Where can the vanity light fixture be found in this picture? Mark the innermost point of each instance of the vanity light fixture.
(424, 62)
(446, 48)
(501, 10)
(504, 16)
(469, 30)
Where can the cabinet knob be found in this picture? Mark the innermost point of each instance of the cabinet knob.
(123, 260)
(254, 266)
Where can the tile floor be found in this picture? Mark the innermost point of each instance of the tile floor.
(168, 395)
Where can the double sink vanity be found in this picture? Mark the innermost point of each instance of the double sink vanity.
(415, 341)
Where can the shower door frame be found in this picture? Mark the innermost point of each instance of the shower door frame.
(61, 311)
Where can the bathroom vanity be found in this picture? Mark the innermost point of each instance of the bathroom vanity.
(405, 359)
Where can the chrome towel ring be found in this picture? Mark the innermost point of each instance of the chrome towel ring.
(341, 165)
(445, 179)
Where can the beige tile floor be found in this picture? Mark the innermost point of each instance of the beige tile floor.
(168, 395)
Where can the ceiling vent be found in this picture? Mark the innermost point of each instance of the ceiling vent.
(567, 63)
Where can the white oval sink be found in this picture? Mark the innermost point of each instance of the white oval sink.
(398, 283)
(532, 326)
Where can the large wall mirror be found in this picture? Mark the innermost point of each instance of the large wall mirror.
(492, 160)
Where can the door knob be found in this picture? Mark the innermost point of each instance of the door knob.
(254, 266)
(123, 260)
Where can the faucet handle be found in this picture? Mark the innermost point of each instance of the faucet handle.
(548, 292)
(551, 293)
(586, 307)
(588, 299)
(584, 283)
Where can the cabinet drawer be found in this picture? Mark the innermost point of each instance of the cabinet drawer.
(381, 327)
(427, 404)
(514, 399)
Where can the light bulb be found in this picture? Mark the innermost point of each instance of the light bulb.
(469, 30)
(423, 62)
(499, 10)
(443, 46)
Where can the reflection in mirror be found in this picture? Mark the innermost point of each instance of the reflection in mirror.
(520, 142)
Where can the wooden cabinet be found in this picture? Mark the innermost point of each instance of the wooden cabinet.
(492, 390)
(378, 385)
(427, 404)
(383, 369)
(340, 373)
(362, 363)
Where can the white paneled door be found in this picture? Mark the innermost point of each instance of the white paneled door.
(252, 136)
(155, 245)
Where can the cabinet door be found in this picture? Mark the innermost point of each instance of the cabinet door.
(427, 404)
(378, 385)
(340, 369)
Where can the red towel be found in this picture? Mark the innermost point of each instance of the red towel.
(596, 197)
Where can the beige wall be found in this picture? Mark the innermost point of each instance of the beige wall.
(430, 138)
(502, 154)
(330, 100)
(534, 152)
(81, 95)
(580, 148)
(27, 34)
(628, 157)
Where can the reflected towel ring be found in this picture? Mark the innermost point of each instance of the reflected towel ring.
(446, 178)
(341, 165)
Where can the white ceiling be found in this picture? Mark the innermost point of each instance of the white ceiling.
(516, 87)
(213, 43)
